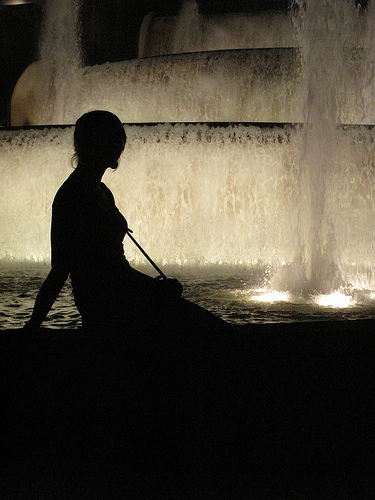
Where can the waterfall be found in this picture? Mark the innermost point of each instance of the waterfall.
(60, 59)
(203, 196)
(263, 84)
(187, 34)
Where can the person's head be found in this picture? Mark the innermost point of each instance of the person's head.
(99, 137)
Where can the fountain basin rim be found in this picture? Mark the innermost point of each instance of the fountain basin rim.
(218, 52)
(214, 124)
(182, 55)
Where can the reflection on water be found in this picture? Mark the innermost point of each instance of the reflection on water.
(237, 301)
(238, 296)
(19, 286)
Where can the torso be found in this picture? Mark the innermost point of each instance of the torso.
(87, 234)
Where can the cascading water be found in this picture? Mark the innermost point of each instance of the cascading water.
(60, 57)
(187, 32)
(58, 76)
(246, 85)
(284, 207)
(195, 195)
(325, 32)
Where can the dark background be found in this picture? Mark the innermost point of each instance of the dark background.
(110, 30)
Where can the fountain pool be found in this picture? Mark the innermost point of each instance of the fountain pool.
(235, 297)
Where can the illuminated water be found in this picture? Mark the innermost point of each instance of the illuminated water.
(200, 195)
(236, 297)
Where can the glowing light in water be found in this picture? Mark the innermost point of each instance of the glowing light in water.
(273, 296)
(335, 299)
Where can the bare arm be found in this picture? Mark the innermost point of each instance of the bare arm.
(46, 297)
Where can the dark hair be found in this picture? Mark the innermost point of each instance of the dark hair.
(99, 135)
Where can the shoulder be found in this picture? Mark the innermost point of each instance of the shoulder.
(68, 189)
(69, 194)
(67, 204)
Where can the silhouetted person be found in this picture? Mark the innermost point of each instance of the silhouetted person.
(171, 370)
(86, 238)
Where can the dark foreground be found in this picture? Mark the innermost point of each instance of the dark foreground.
(274, 411)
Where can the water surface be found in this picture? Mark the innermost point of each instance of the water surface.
(237, 297)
